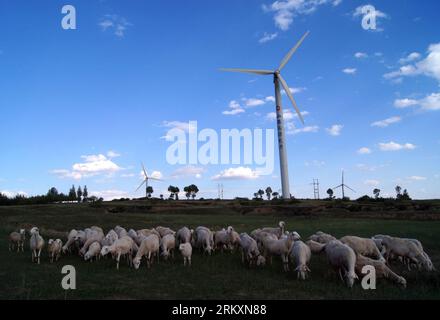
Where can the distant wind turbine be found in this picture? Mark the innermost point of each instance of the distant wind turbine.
(146, 179)
(277, 79)
(343, 185)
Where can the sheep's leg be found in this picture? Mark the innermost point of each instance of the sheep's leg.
(117, 260)
(39, 253)
(189, 261)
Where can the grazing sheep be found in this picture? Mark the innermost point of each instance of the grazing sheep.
(95, 235)
(301, 254)
(276, 231)
(204, 239)
(322, 237)
(249, 249)
(121, 247)
(167, 246)
(17, 239)
(132, 234)
(382, 271)
(36, 244)
(221, 239)
(148, 232)
(234, 238)
(343, 259)
(184, 235)
(315, 247)
(54, 248)
(186, 251)
(419, 245)
(93, 252)
(163, 231)
(121, 232)
(261, 261)
(363, 246)
(279, 247)
(260, 235)
(407, 250)
(70, 241)
(148, 248)
(109, 238)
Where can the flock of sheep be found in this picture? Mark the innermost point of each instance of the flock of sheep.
(347, 255)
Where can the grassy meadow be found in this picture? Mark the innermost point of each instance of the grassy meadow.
(221, 276)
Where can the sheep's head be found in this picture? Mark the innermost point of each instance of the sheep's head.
(350, 278)
(136, 262)
(261, 261)
(59, 241)
(282, 224)
(50, 242)
(230, 229)
(22, 232)
(87, 256)
(105, 250)
(182, 247)
(296, 236)
(34, 230)
(401, 282)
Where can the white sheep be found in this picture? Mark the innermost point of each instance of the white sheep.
(382, 270)
(315, 247)
(54, 248)
(221, 239)
(322, 237)
(94, 235)
(163, 231)
(204, 239)
(36, 244)
(93, 251)
(234, 238)
(121, 247)
(279, 231)
(301, 254)
(70, 241)
(148, 232)
(343, 259)
(364, 246)
(184, 235)
(186, 251)
(167, 245)
(109, 238)
(148, 248)
(278, 247)
(17, 239)
(120, 231)
(249, 249)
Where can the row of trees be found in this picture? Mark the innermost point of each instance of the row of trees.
(269, 194)
(52, 196)
(190, 192)
(376, 193)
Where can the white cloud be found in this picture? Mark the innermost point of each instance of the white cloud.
(351, 71)
(188, 171)
(386, 122)
(393, 146)
(93, 165)
(13, 194)
(417, 178)
(430, 66)
(430, 102)
(364, 150)
(364, 167)
(372, 182)
(285, 11)
(185, 126)
(240, 173)
(128, 175)
(116, 24)
(335, 130)
(113, 154)
(234, 108)
(314, 163)
(292, 130)
(268, 37)
(405, 103)
(154, 174)
(252, 102)
(295, 90)
(110, 194)
(360, 55)
(410, 58)
(287, 115)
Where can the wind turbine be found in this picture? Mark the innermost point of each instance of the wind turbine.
(278, 79)
(343, 185)
(146, 179)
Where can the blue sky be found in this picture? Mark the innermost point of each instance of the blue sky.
(86, 106)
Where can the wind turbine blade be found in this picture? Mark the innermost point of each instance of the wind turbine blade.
(289, 94)
(252, 71)
(141, 185)
(338, 186)
(145, 172)
(292, 51)
(151, 178)
(349, 188)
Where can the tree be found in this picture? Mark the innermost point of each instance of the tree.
(52, 193)
(260, 193)
(85, 194)
(176, 192)
(275, 195)
(376, 193)
(268, 192)
(398, 192)
(72, 194)
(161, 197)
(171, 191)
(405, 195)
(79, 194)
(149, 191)
(187, 192)
(330, 193)
(193, 190)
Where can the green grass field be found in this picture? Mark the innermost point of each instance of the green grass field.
(221, 276)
